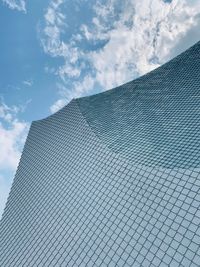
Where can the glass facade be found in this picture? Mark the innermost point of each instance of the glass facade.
(112, 179)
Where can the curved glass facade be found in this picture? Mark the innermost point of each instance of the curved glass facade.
(112, 179)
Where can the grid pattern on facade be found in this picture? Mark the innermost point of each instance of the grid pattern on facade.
(75, 201)
(153, 120)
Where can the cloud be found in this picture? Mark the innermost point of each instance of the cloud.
(4, 113)
(50, 34)
(19, 5)
(12, 136)
(79, 88)
(11, 142)
(13, 133)
(51, 40)
(121, 41)
(141, 39)
(28, 83)
(67, 70)
(58, 105)
(5, 185)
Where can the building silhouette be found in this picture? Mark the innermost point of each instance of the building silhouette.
(112, 179)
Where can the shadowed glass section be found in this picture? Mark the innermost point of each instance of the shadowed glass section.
(154, 120)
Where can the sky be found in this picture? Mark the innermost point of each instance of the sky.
(55, 50)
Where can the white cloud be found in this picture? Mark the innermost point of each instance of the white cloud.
(12, 137)
(4, 114)
(67, 70)
(58, 105)
(11, 141)
(19, 5)
(136, 36)
(52, 43)
(79, 88)
(140, 39)
(7, 113)
(50, 35)
(28, 83)
(5, 185)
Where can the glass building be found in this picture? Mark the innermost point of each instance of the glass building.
(112, 179)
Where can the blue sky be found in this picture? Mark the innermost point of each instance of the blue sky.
(56, 50)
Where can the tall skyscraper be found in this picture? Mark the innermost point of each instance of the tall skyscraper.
(112, 179)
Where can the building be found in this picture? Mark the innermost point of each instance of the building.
(112, 179)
